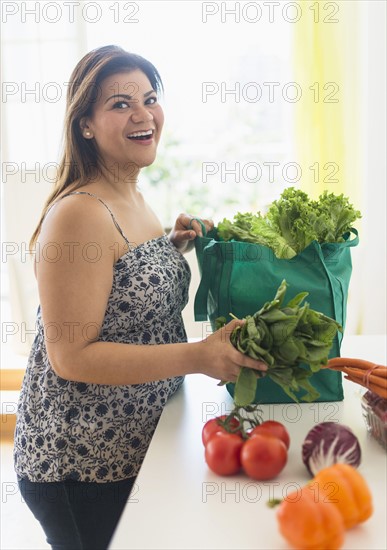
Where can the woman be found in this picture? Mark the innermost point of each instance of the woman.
(111, 283)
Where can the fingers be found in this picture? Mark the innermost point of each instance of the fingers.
(253, 363)
(202, 226)
(232, 325)
(198, 226)
(188, 235)
(242, 360)
(237, 357)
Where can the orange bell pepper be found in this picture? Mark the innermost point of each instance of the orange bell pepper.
(316, 516)
(345, 487)
(310, 523)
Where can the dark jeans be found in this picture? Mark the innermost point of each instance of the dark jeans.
(77, 515)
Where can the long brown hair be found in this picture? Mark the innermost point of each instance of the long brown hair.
(80, 159)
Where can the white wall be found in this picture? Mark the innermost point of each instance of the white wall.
(22, 205)
(375, 230)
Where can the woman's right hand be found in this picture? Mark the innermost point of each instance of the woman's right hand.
(221, 360)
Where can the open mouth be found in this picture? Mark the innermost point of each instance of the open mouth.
(141, 136)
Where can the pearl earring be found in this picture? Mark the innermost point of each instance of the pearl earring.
(87, 133)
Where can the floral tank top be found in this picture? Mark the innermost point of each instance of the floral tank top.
(70, 430)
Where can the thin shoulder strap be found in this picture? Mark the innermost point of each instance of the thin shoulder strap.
(105, 205)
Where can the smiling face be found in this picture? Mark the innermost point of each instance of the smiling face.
(126, 122)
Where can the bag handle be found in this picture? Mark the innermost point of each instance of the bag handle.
(204, 230)
(351, 242)
(208, 267)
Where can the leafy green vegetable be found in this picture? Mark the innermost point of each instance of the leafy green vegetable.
(335, 217)
(288, 338)
(253, 228)
(293, 222)
(294, 217)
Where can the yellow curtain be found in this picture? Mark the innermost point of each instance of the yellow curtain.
(327, 124)
(328, 59)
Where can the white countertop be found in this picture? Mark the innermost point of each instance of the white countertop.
(178, 503)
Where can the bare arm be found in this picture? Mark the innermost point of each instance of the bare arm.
(75, 279)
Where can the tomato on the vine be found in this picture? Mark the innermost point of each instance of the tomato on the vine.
(212, 427)
(274, 428)
(263, 456)
(223, 453)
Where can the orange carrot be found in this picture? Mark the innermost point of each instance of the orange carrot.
(369, 375)
(375, 389)
(371, 378)
(378, 372)
(357, 363)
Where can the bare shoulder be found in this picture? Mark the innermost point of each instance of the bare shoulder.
(77, 214)
(78, 220)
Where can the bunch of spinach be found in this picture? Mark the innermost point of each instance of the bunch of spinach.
(292, 222)
(289, 339)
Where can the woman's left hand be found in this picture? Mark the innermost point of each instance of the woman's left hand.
(186, 229)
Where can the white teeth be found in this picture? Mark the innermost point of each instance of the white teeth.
(140, 134)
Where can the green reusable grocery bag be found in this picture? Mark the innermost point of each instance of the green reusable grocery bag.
(239, 277)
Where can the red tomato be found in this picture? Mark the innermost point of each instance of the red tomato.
(223, 453)
(263, 456)
(274, 428)
(212, 427)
